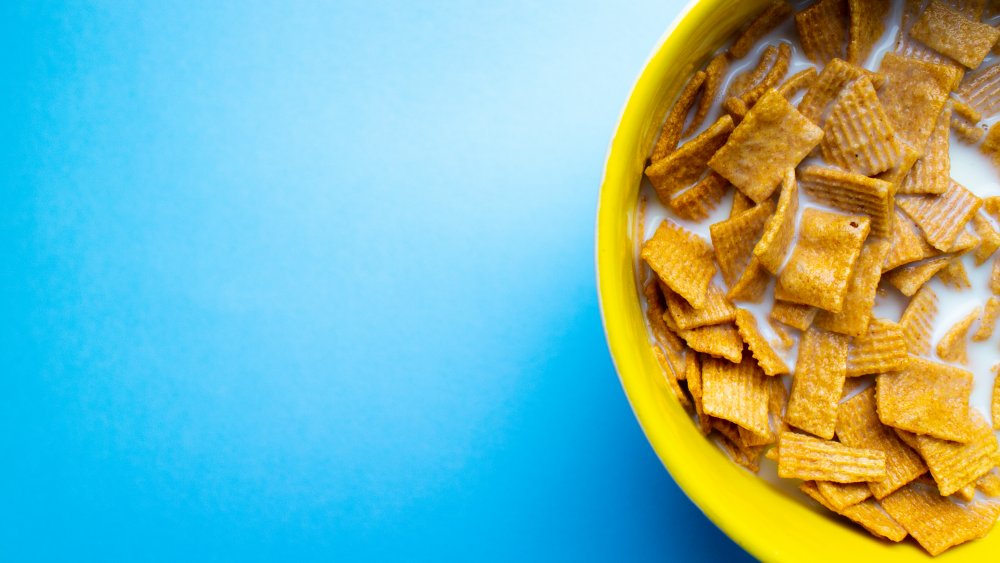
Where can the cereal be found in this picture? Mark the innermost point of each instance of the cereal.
(794, 315)
(771, 78)
(686, 165)
(930, 174)
(737, 392)
(954, 275)
(769, 361)
(851, 193)
(842, 495)
(671, 380)
(989, 238)
(955, 465)
(823, 29)
(868, 514)
(714, 73)
(672, 345)
(818, 382)
(740, 204)
(908, 244)
(682, 260)
(981, 90)
(913, 96)
(865, 28)
(828, 85)
(953, 346)
(991, 144)
(780, 227)
(986, 325)
(735, 238)
(752, 283)
(995, 276)
(917, 320)
(670, 133)
(989, 484)
(857, 135)
(926, 397)
(882, 349)
(995, 402)
(717, 309)
(692, 374)
(936, 522)
(770, 18)
(807, 458)
(722, 340)
(696, 203)
(949, 33)
(898, 173)
(911, 277)
(941, 218)
(797, 82)
(742, 83)
(862, 286)
(964, 119)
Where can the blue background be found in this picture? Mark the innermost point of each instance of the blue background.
(312, 280)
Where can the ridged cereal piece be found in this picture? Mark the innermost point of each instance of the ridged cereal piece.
(989, 238)
(672, 345)
(953, 346)
(818, 382)
(867, 514)
(981, 90)
(941, 217)
(692, 374)
(779, 230)
(807, 458)
(971, 9)
(995, 403)
(936, 522)
(910, 278)
(917, 320)
(745, 81)
(857, 135)
(737, 392)
(797, 82)
(714, 74)
(770, 362)
(908, 244)
(995, 276)
(751, 284)
(926, 397)
(775, 71)
(717, 309)
(734, 239)
(851, 193)
(671, 380)
(867, 25)
(931, 174)
(670, 133)
(794, 315)
(682, 259)
(898, 173)
(954, 275)
(883, 349)
(955, 465)
(842, 495)
(964, 119)
(698, 202)
(913, 96)
(770, 18)
(991, 144)
(823, 29)
(988, 323)
(740, 204)
(722, 340)
(686, 165)
(989, 484)
(828, 85)
(949, 33)
(862, 286)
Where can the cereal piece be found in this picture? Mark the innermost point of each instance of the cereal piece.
(746, 81)
(966, 112)
(930, 174)
(721, 340)
(775, 72)
(770, 18)
(857, 135)
(752, 283)
(682, 259)
(926, 397)
(777, 402)
(798, 82)
(914, 93)
(989, 320)
(941, 218)
(671, 380)
(807, 458)
(991, 145)
(821, 262)
(989, 484)
(784, 337)
(971, 9)
(818, 381)
(822, 30)
(898, 173)
(686, 165)
(794, 315)
(995, 276)
(908, 244)
(867, 17)
(953, 346)
(737, 392)
(883, 349)
(954, 275)
(989, 238)
(842, 495)
(964, 119)
(828, 85)
(954, 465)
(772, 138)
(735, 238)
(780, 228)
(936, 522)
(670, 133)
(911, 277)
(698, 202)
(966, 493)
(909, 47)
(692, 373)
(740, 203)
(714, 74)
(858, 426)
(862, 286)
(981, 90)
(717, 309)
(769, 361)
(917, 320)
(672, 345)
(735, 107)
(852, 193)
(949, 33)
(867, 514)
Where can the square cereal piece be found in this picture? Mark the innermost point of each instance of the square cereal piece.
(717, 309)
(908, 242)
(818, 382)
(931, 173)
(734, 240)
(862, 287)
(722, 340)
(926, 397)
(950, 33)
(953, 346)
(821, 262)
(670, 133)
(740, 204)
(828, 86)
(851, 193)
(883, 349)
(913, 96)
(682, 259)
(955, 465)
(772, 138)
(858, 426)
(772, 16)
(867, 25)
(822, 30)
(868, 514)
(941, 217)
(698, 202)
(989, 238)
(794, 315)
(807, 458)
(842, 495)
(766, 357)
(780, 227)
(936, 522)
(736, 392)
(981, 90)
(917, 320)
(857, 135)
(686, 165)
(910, 278)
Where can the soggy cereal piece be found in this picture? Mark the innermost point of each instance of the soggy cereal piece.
(692, 374)
(772, 138)
(981, 90)
(670, 133)
(857, 135)
(807, 458)
(867, 25)
(955, 465)
(720, 340)
(950, 33)
(740, 204)
(770, 18)
(737, 392)
(842, 495)
(714, 74)
(882, 349)
(780, 227)
(794, 315)
(862, 286)
(828, 85)
(913, 96)
(965, 242)
(686, 165)
(671, 344)
(774, 64)
(908, 244)
(682, 259)
(964, 119)
(987, 324)
(931, 174)
(954, 275)
(953, 346)
(926, 397)
(735, 238)
(670, 379)
(918, 320)
(776, 403)
(735, 107)
(717, 309)
(911, 277)
(966, 493)
(769, 361)
(936, 522)
(852, 193)
(797, 82)
(858, 426)
(898, 173)
(989, 238)
(991, 144)
(821, 262)
(818, 382)
(989, 483)
(696, 203)
(868, 514)
(823, 29)
(941, 217)
(752, 283)
(746, 81)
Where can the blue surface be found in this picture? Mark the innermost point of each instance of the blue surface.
(303, 281)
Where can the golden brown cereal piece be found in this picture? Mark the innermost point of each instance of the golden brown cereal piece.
(714, 74)
(857, 135)
(822, 30)
(953, 346)
(898, 173)
(930, 174)
(867, 17)
(914, 93)
(772, 138)
(907, 46)
(740, 203)
(989, 238)
(780, 227)
(926, 397)
(731, 439)
(949, 33)
(798, 82)
(981, 90)
(908, 243)
(858, 426)
(698, 202)
(989, 484)
(971, 9)
(752, 283)
(965, 242)
(883, 349)
(686, 165)
(954, 465)
(818, 382)
(770, 18)
(942, 217)
(722, 340)
(867, 514)
(936, 522)
(746, 81)
(737, 392)
(717, 309)
(735, 238)
(771, 69)
(954, 275)
(917, 320)
(784, 338)
(821, 262)
(735, 107)
(670, 380)
(989, 320)
(794, 315)
(828, 85)
(682, 259)
(911, 277)
(964, 119)
(862, 286)
(655, 307)
(991, 145)
(769, 361)
(995, 276)
(852, 193)
(966, 112)
(670, 133)
(776, 403)
(807, 458)
(692, 373)
(842, 495)
(966, 493)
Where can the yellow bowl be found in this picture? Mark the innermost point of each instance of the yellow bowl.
(763, 520)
